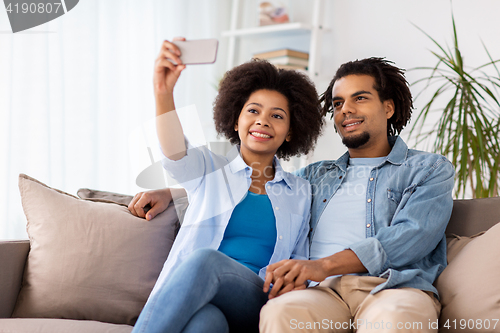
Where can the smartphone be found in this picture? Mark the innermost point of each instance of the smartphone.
(199, 51)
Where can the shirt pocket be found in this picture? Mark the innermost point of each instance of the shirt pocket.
(394, 198)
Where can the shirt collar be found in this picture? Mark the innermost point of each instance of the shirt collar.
(399, 150)
(397, 155)
(280, 174)
(237, 164)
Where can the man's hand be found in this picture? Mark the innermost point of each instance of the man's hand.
(288, 275)
(157, 199)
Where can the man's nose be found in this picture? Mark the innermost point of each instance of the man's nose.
(348, 107)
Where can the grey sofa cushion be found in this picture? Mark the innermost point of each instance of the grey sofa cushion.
(469, 288)
(455, 244)
(89, 260)
(96, 195)
(60, 326)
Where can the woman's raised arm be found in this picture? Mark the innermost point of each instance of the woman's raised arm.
(168, 126)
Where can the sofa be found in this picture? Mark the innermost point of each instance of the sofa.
(89, 265)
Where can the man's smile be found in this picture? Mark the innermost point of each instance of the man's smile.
(351, 124)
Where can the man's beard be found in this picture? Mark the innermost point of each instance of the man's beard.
(356, 141)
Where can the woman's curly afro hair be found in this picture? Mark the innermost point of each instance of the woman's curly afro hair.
(239, 83)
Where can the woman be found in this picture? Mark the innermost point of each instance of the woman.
(245, 212)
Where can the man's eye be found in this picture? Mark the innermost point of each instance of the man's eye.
(360, 97)
(336, 104)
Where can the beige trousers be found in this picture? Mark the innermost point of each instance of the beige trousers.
(344, 304)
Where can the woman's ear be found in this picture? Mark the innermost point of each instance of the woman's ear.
(236, 127)
(288, 136)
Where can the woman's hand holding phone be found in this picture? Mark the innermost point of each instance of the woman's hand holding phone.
(167, 69)
(165, 72)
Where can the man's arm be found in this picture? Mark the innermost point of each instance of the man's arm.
(417, 226)
(158, 200)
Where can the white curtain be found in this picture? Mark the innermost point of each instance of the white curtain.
(75, 90)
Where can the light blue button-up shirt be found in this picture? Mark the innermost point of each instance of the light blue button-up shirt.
(408, 206)
(215, 185)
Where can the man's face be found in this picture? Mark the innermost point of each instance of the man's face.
(360, 117)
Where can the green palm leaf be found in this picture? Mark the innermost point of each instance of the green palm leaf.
(467, 130)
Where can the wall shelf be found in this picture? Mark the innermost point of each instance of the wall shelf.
(275, 30)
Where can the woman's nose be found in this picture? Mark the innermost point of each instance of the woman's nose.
(262, 121)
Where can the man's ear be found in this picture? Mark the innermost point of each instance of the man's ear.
(389, 108)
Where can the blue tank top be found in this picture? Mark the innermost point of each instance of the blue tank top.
(250, 235)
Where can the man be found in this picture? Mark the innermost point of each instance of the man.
(378, 218)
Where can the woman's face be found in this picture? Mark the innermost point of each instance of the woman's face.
(264, 123)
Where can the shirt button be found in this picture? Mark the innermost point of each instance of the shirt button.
(324, 200)
(340, 177)
(371, 179)
(277, 208)
(281, 237)
(368, 225)
(369, 200)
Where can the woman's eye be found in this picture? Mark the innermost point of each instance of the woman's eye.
(252, 111)
(277, 116)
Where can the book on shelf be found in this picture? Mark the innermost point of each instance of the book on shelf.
(282, 53)
(294, 67)
(286, 60)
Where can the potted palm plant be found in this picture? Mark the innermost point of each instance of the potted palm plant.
(466, 100)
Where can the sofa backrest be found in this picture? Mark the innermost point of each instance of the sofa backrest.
(471, 216)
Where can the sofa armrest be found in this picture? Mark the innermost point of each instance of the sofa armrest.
(13, 256)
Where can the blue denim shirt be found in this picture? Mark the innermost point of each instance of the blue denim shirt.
(215, 185)
(408, 206)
